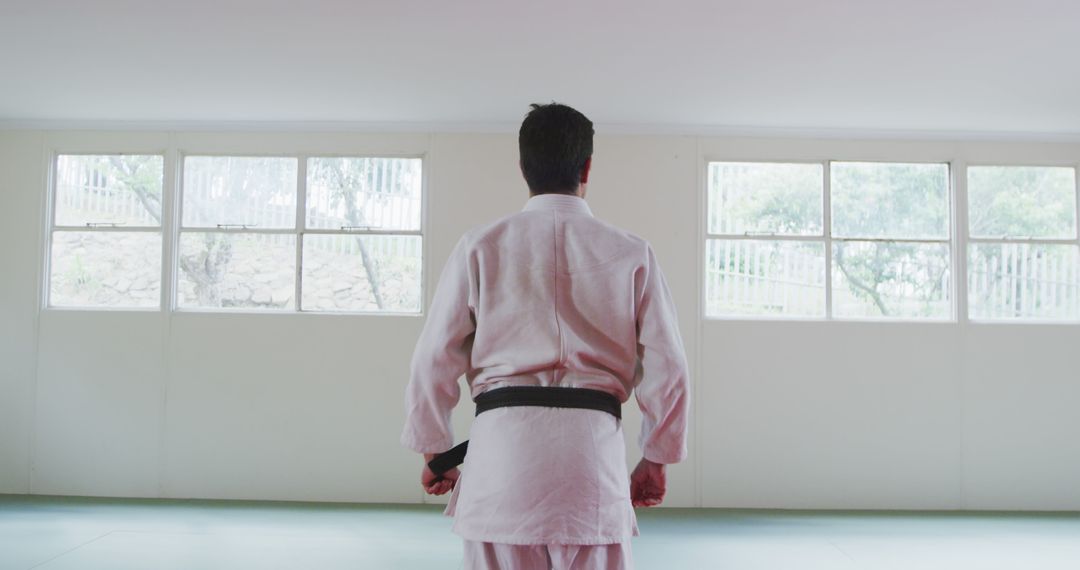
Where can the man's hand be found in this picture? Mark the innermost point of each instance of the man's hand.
(648, 483)
(433, 484)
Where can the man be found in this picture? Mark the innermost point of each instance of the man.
(555, 318)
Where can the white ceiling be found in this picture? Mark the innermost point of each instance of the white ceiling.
(944, 65)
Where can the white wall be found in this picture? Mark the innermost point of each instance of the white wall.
(21, 182)
(308, 407)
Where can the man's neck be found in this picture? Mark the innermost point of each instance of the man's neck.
(576, 194)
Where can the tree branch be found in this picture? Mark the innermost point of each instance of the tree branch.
(356, 218)
(150, 202)
(872, 292)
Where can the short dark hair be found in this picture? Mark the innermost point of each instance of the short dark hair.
(555, 141)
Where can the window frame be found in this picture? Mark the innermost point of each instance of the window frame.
(827, 238)
(302, 229)
(968, 240)
(299, 230)
(51, 227)
(768, 236)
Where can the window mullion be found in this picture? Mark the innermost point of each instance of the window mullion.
(233, 230)
(1076, 194)
(826, 210)
(301, 222)
(50, 203)
(178, 228)
(960, 233)
(339, 232)
(151, 229)
(170, 196)
(733, 237)
(1076, 252)
(890, 240)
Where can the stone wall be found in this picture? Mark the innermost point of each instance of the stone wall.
(121, 269)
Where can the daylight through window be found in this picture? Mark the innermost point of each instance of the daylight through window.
(881, 249)
(352, 226)
(1023, 254)
(105, 239)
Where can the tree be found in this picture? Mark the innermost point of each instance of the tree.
(142, 176)
(254, 192)
(875, 201)
(348, 180)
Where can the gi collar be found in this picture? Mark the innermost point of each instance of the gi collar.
(565, 203)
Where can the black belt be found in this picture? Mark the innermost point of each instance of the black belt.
(542, 396)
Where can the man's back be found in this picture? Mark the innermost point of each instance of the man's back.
(556, 298)
(556, 317)
(552, 296)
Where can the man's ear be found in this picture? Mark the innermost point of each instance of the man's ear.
(585, 170)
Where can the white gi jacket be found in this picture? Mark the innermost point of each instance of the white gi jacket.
(550, 296)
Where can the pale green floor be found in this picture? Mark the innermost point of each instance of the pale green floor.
(88, 534)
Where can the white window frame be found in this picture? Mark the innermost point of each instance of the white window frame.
(51, 227)
(301, 223)
(969, 240)
(299, 231)
(827, 239)
(823, 238)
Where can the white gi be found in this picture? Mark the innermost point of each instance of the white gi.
(550, 296)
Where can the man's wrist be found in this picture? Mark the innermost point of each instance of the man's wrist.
(429, 456)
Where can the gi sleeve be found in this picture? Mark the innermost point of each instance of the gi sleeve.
(441, 356)
(663, 379)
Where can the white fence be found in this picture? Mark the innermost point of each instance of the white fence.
(751, 277)
(85, 194)
(390, 198)
(387, 197)
(1023, 280)
(1004, 281)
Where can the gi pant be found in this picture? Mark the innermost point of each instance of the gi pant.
(496, 556)
(538, 475)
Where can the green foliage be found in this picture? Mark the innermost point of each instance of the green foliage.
(78, 275)
(141, 175)
(869, 200)
(1022, 202)
(895, 279)
(872, 200)
(776, 198)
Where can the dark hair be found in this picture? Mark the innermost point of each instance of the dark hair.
(555, 141)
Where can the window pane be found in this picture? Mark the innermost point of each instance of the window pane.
(120, 189)
(1023, 281)
(253, 191)
(105, 269)
(381, 193)
(750, 277)
(765, 198)
(890, 200)
(361, 273)
(248, 271)
(1013, 201)
(882, 279)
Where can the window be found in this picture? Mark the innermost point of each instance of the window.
(351, 226)
(237, 245)
(890, 240)
(765, 251)
(1023, 253)
(105, 235)
(362, 250)
(880, 250)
